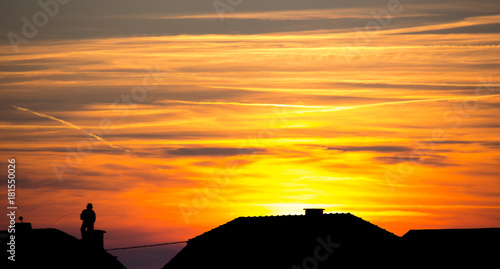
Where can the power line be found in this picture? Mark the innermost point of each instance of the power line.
(147, 246)
(61, 218)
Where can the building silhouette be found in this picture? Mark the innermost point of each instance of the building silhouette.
(342, 240)
(313, 240)
(52, 248)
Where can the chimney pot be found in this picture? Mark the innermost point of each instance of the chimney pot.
(314, 211)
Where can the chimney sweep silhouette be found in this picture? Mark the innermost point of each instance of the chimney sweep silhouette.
(88, 217)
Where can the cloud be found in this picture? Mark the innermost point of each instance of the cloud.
(382, 149)
(408, 85)
(56, 149)
(77, 180)
(495, 144)
(395, 160)
(22, 68)
(427, 160)
(449, 142)
(473, 29)
(483, 24)
(95, 19)
(169, 135)
(288, 15)
(239, 104)
(214, 151)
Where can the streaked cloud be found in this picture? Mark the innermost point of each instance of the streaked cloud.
(371, 148)
(313, 14)
(211, 151)
(239, 104)
(467, 22)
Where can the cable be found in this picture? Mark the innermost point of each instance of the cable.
(143, 246)
(61, 218)
(147, 246)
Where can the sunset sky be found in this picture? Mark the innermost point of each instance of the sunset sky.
(174, 117)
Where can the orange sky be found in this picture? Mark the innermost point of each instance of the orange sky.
(169, 136)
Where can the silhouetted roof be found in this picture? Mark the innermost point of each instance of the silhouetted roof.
(52, 248)
(446, 248)
(451, 235)
(284, 241)
(299, 241)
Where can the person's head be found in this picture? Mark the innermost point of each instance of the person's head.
(89, 206)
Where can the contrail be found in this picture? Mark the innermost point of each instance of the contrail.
(70, 125)
(321, 108)
(239, 104)
(389, 103)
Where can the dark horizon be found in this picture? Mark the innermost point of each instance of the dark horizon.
(341, 237)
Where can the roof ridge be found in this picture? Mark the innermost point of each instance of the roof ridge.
(293, 215)
(374, 225)
(220, 227)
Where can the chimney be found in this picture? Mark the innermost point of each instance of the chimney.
(96, 239)
(23, 227)
(314, 211)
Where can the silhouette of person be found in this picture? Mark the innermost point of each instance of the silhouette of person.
(88, 217)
